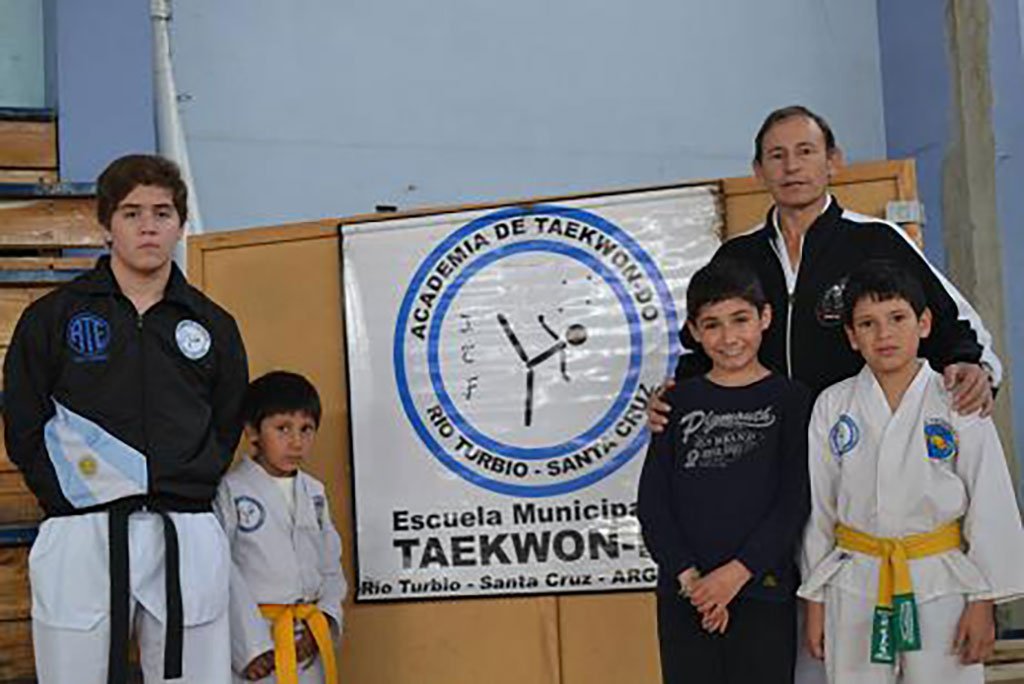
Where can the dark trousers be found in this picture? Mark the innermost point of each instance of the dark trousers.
(758, 647)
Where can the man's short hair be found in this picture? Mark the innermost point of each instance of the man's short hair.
(723, 279)
(788, 113)
(881, 280)
(127, 173)
(280, 392)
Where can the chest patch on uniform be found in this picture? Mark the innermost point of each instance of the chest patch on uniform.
(318, 506)
(193, 339)
(251, 514)
(843, 436)
(88, 336)
(829, 311)
(941, 439)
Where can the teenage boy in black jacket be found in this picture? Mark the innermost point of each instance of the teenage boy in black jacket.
(122, 392)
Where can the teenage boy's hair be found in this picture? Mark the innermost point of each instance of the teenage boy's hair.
(788, 113)
(723, 279)
(126, 173)
(279, 392)
(881, 280)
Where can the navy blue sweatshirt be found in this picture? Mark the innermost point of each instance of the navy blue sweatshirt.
(727, 479)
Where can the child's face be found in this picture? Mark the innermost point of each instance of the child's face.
(887, 333)
(282, 442)
(730, 332)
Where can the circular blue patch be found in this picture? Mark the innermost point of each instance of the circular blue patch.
(843, 436)
(251, 514)
(88, 335)
(941, 440)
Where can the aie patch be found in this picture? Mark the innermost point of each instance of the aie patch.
(193, 339)
(88, 335)
(941, 439)
(843, 436)
(251, 513)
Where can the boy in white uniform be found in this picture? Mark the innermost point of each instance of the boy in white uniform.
(914, 529)
(287, 583)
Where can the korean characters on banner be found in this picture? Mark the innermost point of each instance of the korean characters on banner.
(500, 364)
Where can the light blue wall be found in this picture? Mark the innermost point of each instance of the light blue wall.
(1007, 61)
(104, 83)
(917, 99)
(325, 108)
(22, 76)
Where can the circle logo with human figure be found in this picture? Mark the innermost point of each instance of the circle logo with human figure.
(527, 347)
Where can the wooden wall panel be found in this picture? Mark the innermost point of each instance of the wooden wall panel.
(609, 639)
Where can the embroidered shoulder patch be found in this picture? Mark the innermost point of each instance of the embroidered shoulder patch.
(941, 439)
(843, 436)
(251, 513)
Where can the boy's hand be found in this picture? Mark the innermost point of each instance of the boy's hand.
(686, 580)
(305, 647)
(719, 587)
(972, 391)
(657, 409)
(814, 629)
(260, 667)
(716, 621)
(975, 633)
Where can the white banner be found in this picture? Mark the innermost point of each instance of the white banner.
(500, 362)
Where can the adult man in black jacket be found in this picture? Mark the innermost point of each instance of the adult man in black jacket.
(122, 393)
(802, 254)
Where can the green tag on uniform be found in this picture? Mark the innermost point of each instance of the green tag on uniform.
(908, 631)
(882, 650)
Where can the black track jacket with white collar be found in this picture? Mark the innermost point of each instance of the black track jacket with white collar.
(806, 339)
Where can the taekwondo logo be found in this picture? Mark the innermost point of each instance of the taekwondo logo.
(527, 346)
(88, 335)
(843, 436)
(941, 440)
(251, 513)
(193, 339)
(830, 306)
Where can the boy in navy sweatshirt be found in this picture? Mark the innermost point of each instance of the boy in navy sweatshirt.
(724, 496)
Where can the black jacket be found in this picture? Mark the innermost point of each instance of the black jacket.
(817, 352)
(168, 383)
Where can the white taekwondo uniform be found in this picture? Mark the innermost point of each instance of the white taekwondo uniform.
(281, 554)
(893, 474)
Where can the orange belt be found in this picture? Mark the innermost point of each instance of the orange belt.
(285, 662)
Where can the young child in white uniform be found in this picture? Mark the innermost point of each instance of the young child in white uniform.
(914, 530)
(287, 583)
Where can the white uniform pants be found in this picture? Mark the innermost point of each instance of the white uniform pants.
(848, 641)
(74, 656)
(70, 579)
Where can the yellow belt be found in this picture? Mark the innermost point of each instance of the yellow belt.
(284, 617)
(895, 626)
